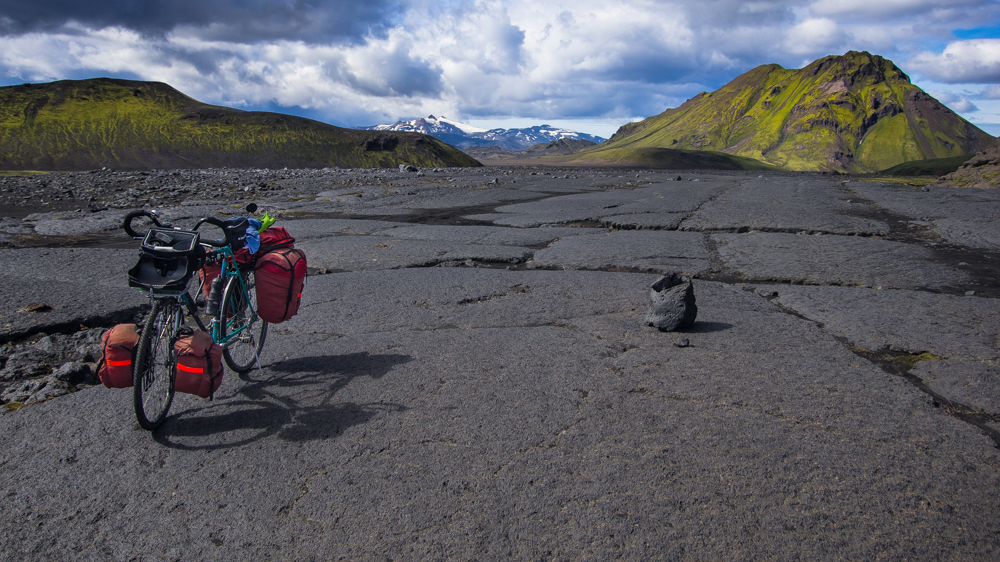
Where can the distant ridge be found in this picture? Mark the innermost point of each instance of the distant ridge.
(852, 113)
(134, 125)
(465, 136)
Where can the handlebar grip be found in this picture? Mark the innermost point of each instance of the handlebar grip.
(214, 222)
(127, 225)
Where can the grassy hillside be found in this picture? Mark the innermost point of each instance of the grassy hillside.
(934, 167)
(667, 158)
(855, 113)
(123, 124)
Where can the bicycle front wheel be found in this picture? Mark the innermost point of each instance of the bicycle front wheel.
(153, 373)
(238, 319)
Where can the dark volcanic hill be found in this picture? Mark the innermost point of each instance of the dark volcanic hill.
(133, 125)
(857, 113)
(560, 146)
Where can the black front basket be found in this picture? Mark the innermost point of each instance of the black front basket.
(166, 261)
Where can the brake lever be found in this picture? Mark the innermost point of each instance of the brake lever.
(163, 224)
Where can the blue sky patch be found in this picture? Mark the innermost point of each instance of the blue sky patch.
(979, 33)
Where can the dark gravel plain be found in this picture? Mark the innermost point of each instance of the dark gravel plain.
(470, 377)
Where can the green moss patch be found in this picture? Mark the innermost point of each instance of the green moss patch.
(13, 406)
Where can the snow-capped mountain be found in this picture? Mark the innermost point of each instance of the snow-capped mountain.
(429, 126)
(464, 136)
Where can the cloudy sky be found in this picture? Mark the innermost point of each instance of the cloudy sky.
(591, 65)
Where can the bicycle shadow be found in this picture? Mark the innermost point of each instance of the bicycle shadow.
(293, 400)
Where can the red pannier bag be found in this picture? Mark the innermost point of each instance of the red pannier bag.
(273, 238)
(199, 363)
(206, 274)
(278, 279)
(118, 346)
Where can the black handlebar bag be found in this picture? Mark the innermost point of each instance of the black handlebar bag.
(167, 258)
(236, 232)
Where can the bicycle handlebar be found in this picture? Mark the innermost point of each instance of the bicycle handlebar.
(136, 214)
(214, 222)
(153, 216)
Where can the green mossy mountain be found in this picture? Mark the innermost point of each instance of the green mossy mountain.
(852, 113)
(134, 125)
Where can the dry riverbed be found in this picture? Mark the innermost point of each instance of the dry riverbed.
(470, 376)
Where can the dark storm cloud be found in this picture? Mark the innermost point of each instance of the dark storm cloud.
(237, 21)
(390, 73)
(730, 14)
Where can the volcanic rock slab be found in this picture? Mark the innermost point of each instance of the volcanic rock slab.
(833, 260)
(961, 216)
(783, 205)
(656, 251)
(68, 287)
(659, 198)
(569, 429)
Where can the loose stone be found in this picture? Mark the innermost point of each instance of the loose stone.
(671, 304)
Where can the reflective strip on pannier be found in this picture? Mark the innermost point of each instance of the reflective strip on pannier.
(118, 348)
(199, 363)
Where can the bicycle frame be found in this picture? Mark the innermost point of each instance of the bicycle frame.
(229, 269)
(233, 327)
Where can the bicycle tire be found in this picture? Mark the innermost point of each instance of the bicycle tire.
(238, 310)
(153, 376)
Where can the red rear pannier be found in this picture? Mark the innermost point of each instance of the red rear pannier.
(273, 238)
(118, 345)
(199, 363)
(278, 278)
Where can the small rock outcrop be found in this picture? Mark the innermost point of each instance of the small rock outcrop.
(671, 304)
(982, 170)
(46, 366)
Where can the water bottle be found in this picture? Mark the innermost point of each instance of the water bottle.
(214, 296)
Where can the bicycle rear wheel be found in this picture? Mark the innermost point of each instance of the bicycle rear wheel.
(238, 317)
(153, 373)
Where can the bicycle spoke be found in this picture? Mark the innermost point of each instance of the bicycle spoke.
(242, 330)
(153, 380)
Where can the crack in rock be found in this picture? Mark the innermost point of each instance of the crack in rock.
(900, 364)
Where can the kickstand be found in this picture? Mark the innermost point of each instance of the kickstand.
(257, 357)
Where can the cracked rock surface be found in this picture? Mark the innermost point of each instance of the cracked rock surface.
(470, 375)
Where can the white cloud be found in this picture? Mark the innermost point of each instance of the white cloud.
(991, 93)
(815, 35)
(475, 59)
(957, 103)
(963, 106)
(975, 61)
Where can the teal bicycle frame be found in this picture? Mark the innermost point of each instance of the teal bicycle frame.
(229, 269)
